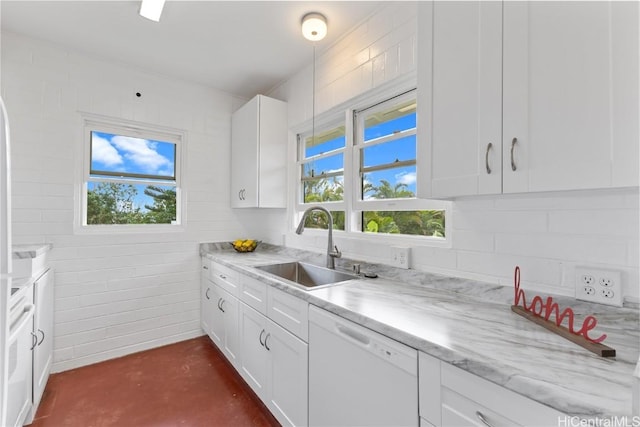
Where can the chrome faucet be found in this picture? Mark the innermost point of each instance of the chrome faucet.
(332, 250)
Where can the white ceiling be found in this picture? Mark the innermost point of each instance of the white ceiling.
(242, 47)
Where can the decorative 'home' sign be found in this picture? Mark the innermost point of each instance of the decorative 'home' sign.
(539, 311)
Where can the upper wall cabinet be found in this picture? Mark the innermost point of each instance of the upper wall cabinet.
(528, 96)
(258, 154)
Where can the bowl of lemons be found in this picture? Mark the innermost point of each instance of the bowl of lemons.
(245, 245)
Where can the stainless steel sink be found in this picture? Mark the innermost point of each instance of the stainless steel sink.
(308, 275)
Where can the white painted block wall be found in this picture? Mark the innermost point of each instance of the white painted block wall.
(114, 293)
(548, 235)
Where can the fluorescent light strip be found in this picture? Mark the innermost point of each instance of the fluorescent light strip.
(152, 9)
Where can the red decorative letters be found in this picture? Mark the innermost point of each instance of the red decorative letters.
(545, 309)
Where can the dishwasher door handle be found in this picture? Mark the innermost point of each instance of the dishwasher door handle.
(354, 335)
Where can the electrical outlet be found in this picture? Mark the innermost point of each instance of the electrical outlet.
(400, 256)
(601, 286)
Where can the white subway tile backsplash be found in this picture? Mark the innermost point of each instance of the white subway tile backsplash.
(566, 247)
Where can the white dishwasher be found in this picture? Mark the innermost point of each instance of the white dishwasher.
(358, 377)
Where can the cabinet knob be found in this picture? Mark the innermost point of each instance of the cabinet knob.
(514, 141)
(486, 158)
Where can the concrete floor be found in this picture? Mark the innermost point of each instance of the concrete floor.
(185, 384)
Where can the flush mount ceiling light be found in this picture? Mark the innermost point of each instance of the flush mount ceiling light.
(152, 9)
(314, 26)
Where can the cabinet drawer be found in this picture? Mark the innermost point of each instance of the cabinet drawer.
(254, 294)
(459, 411)
(464, 393)
(225, 277)
(288, 311)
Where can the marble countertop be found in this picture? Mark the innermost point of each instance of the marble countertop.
(30, 251)
(469, 324)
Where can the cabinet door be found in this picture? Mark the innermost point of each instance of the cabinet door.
(466, 125)
(245, 127)
(213, 314)
(288, 376)
(230, 312)
(254, 360)
(570, 95)
(43, 321)
(272, 177)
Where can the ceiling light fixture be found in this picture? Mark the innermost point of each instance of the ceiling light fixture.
(152, 9)
(314, 26)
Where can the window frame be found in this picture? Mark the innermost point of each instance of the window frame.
(95, 123)
(333, 120)
(352, 204)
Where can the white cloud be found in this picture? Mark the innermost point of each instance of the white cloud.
(103, 152)
(143, 154)
(407, 178)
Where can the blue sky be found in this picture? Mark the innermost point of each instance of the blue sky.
(117, 153)
(403, 149)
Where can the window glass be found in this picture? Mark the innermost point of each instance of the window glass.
(390, 121)
(388, 150)
(130, 180)
(118, 155)
(319, 220)
(324, 142)
(419, 223)
(322, 165)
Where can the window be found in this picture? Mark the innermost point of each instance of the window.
(321, 164)
(385, 145)
(131, 176)
(365, 172)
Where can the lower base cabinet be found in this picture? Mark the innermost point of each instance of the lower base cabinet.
(43, 330)
(274, 363)
(270, 358)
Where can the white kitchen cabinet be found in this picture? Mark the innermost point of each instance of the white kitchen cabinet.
(450, 396)
(219, 316)
(462, 83)
(258, 154)
(569, 97)
(274, 363)
(43, 330)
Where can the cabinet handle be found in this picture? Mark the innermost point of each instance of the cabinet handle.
(204, 267)
(486, 158)
(260, 338)
(220, 302)
(265, 342)
(514, 141)
(42, 339)
(482, 419)
(206, 294)
(34, 341)
(222, 276)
